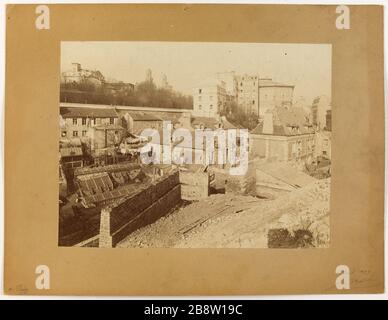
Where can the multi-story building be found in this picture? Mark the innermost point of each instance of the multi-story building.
(248, 93)
(136, 121)
(209, 98)
(252, 94)
(98, 130)
(273, 94)
(78, 75)
(323, 144)
(229, 77)
(328, 120)
(285, 134)
(76, 121)
(255, 95)
(319, 109)
(105, 136)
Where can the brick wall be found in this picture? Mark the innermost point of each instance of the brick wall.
(145, 207)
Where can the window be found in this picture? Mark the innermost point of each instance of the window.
(200, 91)
(75, 121)
(200, 107)
(83, 133)
(253, 101)
(116, 132)
(64, 134)
(75, 133)
(83, 121)
(111, 120)
(211, 106)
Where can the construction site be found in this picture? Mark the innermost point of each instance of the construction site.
(236, 217)
(133, 205)
(109, 197)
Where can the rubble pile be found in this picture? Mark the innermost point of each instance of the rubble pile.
(313, 217)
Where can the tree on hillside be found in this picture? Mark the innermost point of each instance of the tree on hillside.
(238, 116)
(146, 93)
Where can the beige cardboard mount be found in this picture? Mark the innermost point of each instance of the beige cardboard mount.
(31, 155)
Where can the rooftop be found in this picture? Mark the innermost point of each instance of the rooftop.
(212, 123)
(80, 112)
(70, 151)
(108, 127)
(286, 122)
(267, 82)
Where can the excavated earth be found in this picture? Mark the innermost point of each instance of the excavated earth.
(239, 221)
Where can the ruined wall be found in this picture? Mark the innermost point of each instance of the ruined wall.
(242, 184)
(157, 210)
(145, 207)
(194, 185)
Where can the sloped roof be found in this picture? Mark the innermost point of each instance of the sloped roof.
(206, 121)
(174, 118)
(70, 151)
(108, 127)
(80, 112)
(226, 124)
(270, 83)
(212, 123)
(278, 130)
(287, 122)
(286, 173)
(108, 168)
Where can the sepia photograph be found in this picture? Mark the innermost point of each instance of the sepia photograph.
(193, 152)
(194, 145)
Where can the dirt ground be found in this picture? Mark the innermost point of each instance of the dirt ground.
(238, 221)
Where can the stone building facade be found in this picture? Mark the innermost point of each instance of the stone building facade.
(252, 95)
(273, 94)
(248, 93)
(76, 121)
(284, 135)
(209, 98)
(78, 75)
(319, 109)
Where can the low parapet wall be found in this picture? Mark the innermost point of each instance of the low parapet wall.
(143, 208)
(194, 185)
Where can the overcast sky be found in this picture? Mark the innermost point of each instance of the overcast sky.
(307, 66)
